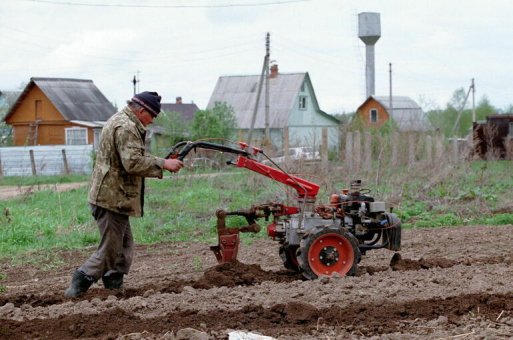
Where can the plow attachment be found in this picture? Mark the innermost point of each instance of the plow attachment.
(228, 238)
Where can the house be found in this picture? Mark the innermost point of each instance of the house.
(159, 136)
(404, 112)
(187, 111)
(55, 111)
(292, 104)
(494, 137)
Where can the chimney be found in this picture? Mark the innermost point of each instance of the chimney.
(274, 71)
(179, 100)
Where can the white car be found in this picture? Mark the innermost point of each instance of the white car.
(296, 154)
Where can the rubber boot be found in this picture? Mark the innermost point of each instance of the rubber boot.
(80, 283)
(113, 281)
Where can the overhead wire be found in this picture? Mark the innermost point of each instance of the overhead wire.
(252, 4)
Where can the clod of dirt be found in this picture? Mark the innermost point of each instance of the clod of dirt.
(397, 263)
(235, 273)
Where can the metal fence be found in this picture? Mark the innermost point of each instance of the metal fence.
(46, 160)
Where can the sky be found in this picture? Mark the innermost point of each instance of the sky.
(180, 48)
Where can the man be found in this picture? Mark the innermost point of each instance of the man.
(117, 191)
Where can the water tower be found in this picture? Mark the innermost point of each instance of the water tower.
(369, 31)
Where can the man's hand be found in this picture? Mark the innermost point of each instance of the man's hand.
(173, 165)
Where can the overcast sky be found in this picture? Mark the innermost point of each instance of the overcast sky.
(180, 48)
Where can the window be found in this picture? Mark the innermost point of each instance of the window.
(96, 137)
(302, 102)
(39, 109)
(510, 130)
(373, 115)
(76, 136)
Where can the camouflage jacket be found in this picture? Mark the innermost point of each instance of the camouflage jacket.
(117, 182)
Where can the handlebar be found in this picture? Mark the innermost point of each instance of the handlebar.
(180, 150)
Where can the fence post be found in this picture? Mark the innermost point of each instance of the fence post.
(411, 150)
(395, 146)
(324, 150)
(357, 150)
(367, 150)
(65, 161)
(455, 149)
(349, 151)
(32, 162)
(439, 148)
(286, 144)
(429, 150)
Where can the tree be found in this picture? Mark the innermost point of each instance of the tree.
(6, 100)
(218, 122)
(447, 121)
(170, 129)
(175, 129)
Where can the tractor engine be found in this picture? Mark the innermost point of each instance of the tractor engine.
(327, 239)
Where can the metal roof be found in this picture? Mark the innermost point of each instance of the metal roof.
(240, 92)
(75, 99)
(187, 111)
(407, 114)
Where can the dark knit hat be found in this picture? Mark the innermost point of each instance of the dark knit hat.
(149, 100)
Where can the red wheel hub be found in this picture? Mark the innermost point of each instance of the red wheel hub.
(331, 253)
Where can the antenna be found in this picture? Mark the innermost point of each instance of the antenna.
(135, 82)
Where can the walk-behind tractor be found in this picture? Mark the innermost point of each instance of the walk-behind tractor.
(316, 240)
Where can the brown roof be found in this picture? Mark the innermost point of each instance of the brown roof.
(75, 99)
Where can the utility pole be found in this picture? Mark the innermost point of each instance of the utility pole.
(473, 101)
(265, 72)
(390, 89)
(471, 88)
(267, 54)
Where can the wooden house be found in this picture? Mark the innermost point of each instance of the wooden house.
(57, 111)
(292, 103)
(493, 138)
(404, 112)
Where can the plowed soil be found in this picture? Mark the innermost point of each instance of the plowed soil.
(448, 283)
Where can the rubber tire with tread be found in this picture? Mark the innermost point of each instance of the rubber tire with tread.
(330, 233)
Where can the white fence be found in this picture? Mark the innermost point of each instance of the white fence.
(45, 160)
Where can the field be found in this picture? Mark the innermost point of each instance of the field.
(451, 282)
(445, 283)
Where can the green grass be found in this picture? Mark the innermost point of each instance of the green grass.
(34, 227)
(40, 180)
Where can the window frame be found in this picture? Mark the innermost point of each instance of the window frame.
(75, 129)
(371, 112)
(303, 103)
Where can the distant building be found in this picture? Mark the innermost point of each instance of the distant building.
(292, 104)
(158, 136)
(55, 111)
(187, 111)
(404, 112)
(493, 138)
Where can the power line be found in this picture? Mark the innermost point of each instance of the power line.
(68, 3)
